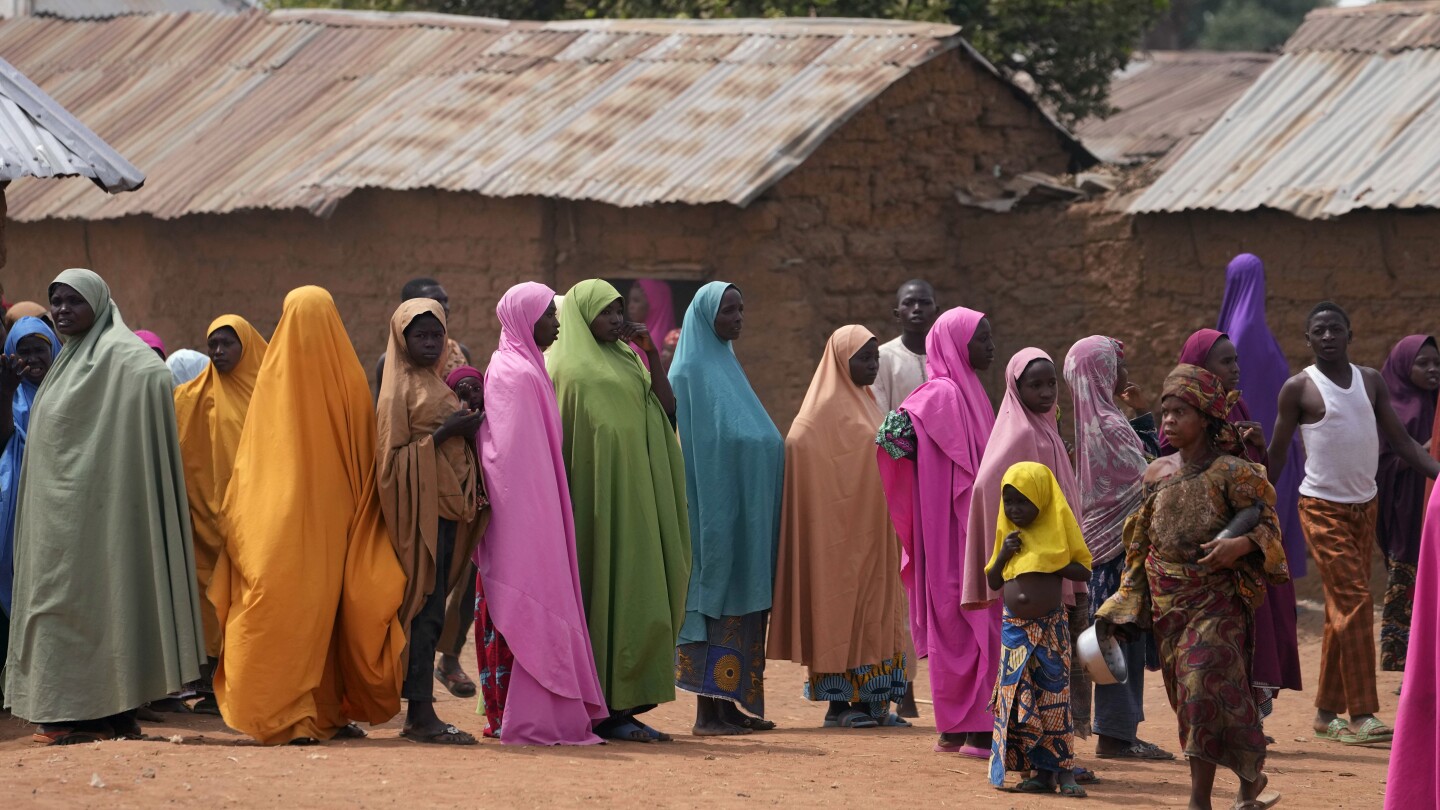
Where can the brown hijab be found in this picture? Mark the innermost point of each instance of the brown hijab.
(419, 482)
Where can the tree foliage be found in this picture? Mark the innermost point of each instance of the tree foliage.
(1069, 48)
(1229, 25)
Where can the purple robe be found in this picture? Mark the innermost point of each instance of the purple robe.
(1402, 489)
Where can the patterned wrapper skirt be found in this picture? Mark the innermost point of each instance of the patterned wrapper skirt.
(1031, 702)
(729, 664)
(494, 659)
(877, 685)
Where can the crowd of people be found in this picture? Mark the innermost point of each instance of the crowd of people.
(253, 532)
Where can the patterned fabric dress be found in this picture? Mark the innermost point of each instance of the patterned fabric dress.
(730, 664)
(1203, 619)
(876, 685)
(494, 659)
(1033, 725)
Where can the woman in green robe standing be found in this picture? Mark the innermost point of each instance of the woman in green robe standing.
(105, 615)
(627, 485)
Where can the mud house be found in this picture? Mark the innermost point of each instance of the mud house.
(815, 163)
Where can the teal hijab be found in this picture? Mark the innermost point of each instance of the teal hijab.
(734, 472)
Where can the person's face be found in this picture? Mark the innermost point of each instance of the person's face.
(1328, 337)
(915, 309)
(730, 320)
(1018, 508)
(1425, 372)
(471, 392)
(71, 313)
(865, 364)
(608, 325)
(547, 328)
(982, 346)
(1224, 363)
(224, 349)
(37, 354)
(1122, 375)
(439, 296)
(425, 340)
(1038, 386)
(637, 306)
(1183, 426)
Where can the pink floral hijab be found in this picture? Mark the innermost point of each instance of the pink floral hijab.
(1109, 458)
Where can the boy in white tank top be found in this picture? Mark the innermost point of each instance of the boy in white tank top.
(1341, 408)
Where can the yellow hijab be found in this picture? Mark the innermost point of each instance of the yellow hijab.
(308, 587)
(1053, 540)
(209, 413)
(420, 483)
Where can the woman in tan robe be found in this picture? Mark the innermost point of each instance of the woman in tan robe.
(431, 495)
(839, 606)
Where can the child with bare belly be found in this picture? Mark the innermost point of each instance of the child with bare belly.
(1037, 546)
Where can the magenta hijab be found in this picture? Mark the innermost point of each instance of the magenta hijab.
(527, 556)
(662, 308)
(1195, 352)
(1414, 780)
(1019, 435)
(453, 378)
(1109, 457)
(929, 500)
(152, 340)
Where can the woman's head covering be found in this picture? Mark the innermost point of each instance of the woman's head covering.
(952, 405)
(1414, 406)
(14, 451)
(733, 454)
(152, 340)
(833, 397)
(453, 378)
(186, 364)
(662, 307)
(1109, 457)
(577, 354)
(1019, 435)
(1194, 353)
(306, 463)
(1053, 540)
(210, 413)
(419, 482)
(24, 309)
(1197, 347)
(1203, 391)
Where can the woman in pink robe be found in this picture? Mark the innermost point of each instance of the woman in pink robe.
(930, 452)
(1414, 779)
(526, 559)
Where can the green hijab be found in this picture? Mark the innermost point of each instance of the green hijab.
(105, 614)
(627, 487)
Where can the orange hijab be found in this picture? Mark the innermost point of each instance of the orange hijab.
(308, 587)
(838, 599)
(209, 414)
(420, 483)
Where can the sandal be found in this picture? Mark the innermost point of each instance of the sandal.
(628, 731)
(894, 720)
(753, 723)
(853, 718)
(449, 735)
(655, 734)
(67, 735)
(350, 731)
(207, 704)
(1371, 731)
(1085, 776)
(1334, 731)
(1139, 750)
(1033, 786)
(1074, 792)
(973, 752)
(456, 683)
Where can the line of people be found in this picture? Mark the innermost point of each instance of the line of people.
(638, 523)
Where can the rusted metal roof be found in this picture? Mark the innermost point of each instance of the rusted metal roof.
(39, 138)
(104, 9)
(1347, 118)
(1167, 99)
(296, 109)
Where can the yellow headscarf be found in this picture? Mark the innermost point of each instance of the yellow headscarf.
(209, 414)
(1053, 540)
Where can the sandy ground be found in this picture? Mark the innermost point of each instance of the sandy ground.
(798, 765)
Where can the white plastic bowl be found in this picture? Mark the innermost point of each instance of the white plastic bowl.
(1104, 663)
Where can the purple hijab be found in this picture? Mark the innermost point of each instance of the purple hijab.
(1402, 490)
(1263, 369)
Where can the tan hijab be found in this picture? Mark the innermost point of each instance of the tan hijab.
(838, 599)
(420, 483)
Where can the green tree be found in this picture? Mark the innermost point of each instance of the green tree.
(1254, 25)
(1069, 48)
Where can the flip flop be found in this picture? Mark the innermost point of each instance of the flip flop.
(656, 735)
(628, 731)
(853, 718)
(1334, 731)
(893, 719)
(449, 735)
(1139, 750)
(1264, 801)
(1033, 786)
(1085, 776)
(972, 751)
(457, 684)
(753, 723)
(350, 731)
(1372, 731)
(1074, 792)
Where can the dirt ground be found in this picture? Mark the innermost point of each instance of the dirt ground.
(197, 761)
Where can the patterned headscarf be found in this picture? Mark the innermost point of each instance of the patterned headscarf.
(1204, 392)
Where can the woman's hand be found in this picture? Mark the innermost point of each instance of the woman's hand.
(1010, 547)
(1251, 433)
(1135, 398)
(463, 423)
(12, 371)
(1225, 552)
(639, 334)
(1106, 630)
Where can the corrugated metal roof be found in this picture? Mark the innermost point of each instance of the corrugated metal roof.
(104, 9)
(38, 138)
(296, 109)
(1347, 118)
(1167, 99)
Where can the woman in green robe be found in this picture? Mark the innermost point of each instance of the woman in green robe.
(627, 485)
(105, 615)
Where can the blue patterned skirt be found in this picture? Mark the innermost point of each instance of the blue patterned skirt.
(729, 664)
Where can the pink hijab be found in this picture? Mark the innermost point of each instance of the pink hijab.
(929, 500)
(1109, 458)
(1019, 435)
(527, 556)
(152, 340)
(1414, 780)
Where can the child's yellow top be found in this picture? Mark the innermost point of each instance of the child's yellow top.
(1053, 540)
